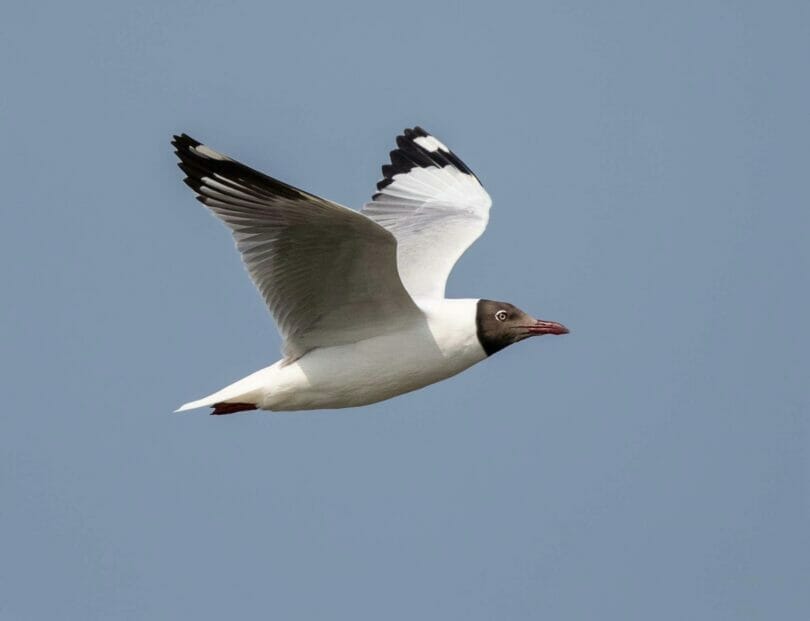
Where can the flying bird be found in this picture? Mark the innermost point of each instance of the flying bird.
(358, 296)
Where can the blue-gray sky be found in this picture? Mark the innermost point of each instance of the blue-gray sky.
(648, 164)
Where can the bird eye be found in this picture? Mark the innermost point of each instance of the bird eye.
(501, 315)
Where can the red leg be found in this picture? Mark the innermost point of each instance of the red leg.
(232, 408)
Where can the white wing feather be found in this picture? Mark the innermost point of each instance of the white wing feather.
(435, 207)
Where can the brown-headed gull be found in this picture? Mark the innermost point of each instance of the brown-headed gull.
(358, 296)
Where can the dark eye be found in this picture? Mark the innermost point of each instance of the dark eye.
(501, 315)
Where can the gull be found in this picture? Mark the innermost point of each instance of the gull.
(358, 296)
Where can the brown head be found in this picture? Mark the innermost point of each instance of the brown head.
(500, 324)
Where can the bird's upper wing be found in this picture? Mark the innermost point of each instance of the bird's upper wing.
(327, 273)
(434, 205)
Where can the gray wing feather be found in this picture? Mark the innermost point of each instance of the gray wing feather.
(328, 274)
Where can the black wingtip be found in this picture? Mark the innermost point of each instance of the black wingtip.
(410, 154)
(418, 131)
(199, 161)
(184, 141)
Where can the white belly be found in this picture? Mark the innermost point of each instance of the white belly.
(377, 368)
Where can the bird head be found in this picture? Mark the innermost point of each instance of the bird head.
(501, 324)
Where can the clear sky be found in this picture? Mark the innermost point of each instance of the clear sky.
(648, 164)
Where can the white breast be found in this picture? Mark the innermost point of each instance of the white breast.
(380, 367)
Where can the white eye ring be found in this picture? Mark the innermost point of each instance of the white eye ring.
(501, 315)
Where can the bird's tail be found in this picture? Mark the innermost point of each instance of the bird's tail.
(220, 407)
(246, 394)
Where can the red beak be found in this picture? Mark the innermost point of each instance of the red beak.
(546, 327)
